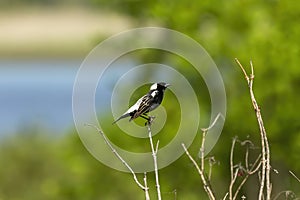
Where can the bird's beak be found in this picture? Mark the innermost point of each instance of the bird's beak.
(167, 85)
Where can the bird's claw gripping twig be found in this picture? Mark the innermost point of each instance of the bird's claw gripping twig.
(149, 120)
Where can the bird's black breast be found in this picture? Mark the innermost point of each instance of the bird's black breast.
(158, 97)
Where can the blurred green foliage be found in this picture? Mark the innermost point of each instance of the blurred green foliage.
(38, 167)
(267, 32)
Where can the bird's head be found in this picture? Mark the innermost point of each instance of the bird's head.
(159, 86)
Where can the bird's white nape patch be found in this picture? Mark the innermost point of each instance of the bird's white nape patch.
(153, 87)
(154, 93)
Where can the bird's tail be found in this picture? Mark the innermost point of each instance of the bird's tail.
(123, 116)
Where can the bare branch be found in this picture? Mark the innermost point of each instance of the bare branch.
(244, 71)
(175, 194)
(213, 123)
(119, 157)
(209, 172)
(226, 195)
(206, 185)
(200, 169)
(146, 186)
(154, 154)
(247, 157)
(232, 182)
(156, 148)
(248, 144)
(202, 150)
(211, 162)
(287, 193)
(294, 176)
(247, 175)
(232, 175)
(254, 170)
(265, 172)
(252, 70)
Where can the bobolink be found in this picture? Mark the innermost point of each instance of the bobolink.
(146, 103)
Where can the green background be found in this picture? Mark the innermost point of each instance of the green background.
(36, 165)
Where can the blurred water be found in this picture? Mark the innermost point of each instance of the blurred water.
(36, 93)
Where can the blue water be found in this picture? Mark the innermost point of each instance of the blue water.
(36, 93)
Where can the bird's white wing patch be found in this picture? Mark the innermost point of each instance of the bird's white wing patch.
(136, 106)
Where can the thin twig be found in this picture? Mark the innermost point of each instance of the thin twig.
(156, 148)
(232, 175)
(224, 198)
(264, 134)
(294, 175)
(232, 182)
(119, 157)
(247, 176)
(231, 157)
(211, 162)
(205, 180)
(254, 170)
(175, 194)
(154, 154)
(206, 185)
(202, 150)
(287, 194)
(247, 157)
(146, 187)
(214, 122)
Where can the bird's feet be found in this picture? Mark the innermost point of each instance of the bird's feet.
(149, 120)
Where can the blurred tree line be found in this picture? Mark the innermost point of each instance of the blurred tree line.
(34, 166)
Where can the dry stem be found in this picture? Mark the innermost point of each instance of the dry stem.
(145, 188)
(206, 185)
(265, 176)
(154, 154)
(287, 194)
(253, 169)
(205, 180)
(232, 175)
(294, 175)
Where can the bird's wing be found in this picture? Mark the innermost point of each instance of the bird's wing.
(144, 106)
(136, 106)
(133, 109)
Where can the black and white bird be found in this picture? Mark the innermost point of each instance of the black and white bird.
(146, 103)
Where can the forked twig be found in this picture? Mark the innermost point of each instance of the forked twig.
(205, 180)
(248, 171)
(206, 185)
(265, 172)
(253, 169)
(213, 123)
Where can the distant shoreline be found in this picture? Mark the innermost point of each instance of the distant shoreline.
(55, 32)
